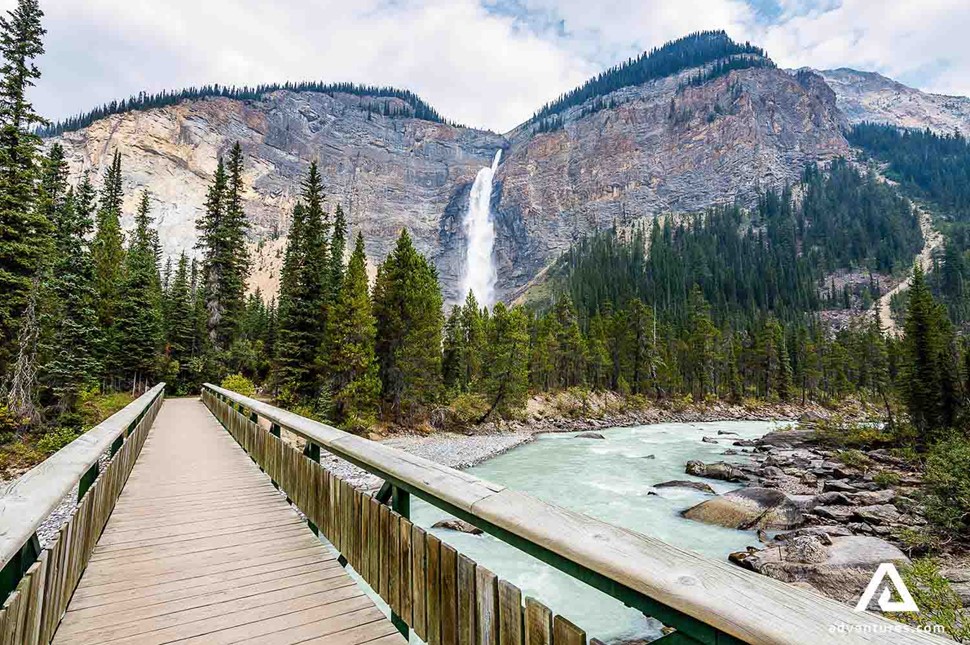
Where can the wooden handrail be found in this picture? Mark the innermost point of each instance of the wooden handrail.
(28, 501)
(679, 587)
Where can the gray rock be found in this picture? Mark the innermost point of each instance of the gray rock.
(843, 574)
(789, 437)
(748, 508)
(721, 432)
(837, 513)
(868, 498)
(808, 549)
(455, 524)
(832, 485)
(877, 514)
(717, 470)
(833, 498)
(729, 452)
(683, 483)
(709, 440)
(650, 457)
(589, 435)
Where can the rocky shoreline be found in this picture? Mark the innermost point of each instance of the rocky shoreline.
(825, 518)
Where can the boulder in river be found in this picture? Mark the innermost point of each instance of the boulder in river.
(748, 508)
(589, 435)
(717, 470)
(843, 572)
(455, 524)
(709, 440)
(683, 483)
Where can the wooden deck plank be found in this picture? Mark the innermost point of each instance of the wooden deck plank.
(201, 548)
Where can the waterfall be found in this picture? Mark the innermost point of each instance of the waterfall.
(480, 272)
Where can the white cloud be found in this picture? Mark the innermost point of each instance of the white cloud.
(489, 63)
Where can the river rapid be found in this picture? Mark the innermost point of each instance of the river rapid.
(611, 479)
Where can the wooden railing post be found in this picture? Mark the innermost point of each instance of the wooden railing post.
(401, 504)
(312, 452)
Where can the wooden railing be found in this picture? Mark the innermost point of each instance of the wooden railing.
(445, 597)
(36, 584)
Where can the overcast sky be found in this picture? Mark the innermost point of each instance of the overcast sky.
(485, 63)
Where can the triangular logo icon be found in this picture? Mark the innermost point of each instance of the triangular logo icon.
(906, 602)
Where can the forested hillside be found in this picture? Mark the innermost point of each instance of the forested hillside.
(694, 50)
(413, 105)
(772, 258)
(935, 169)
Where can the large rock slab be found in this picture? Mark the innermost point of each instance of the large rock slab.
(717, 470)
(748, 508)
(683, 483)
(843, 572)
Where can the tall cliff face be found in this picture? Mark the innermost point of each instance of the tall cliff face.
(386, 172)
(663, 146)
(867, 96)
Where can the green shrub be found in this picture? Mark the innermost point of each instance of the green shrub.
(854, 459)
(916, 540)
(886, 479)
(239, 384)
(467, 409)
(938, 603)
(55, 439)
(947, 486)
(96, 407)
(839, 433)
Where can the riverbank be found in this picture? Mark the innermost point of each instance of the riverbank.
(570, 411)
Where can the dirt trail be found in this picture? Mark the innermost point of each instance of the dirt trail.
(932, 240)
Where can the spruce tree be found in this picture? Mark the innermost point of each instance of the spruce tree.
(72, 348)
(921, 367)
(407, 305)
(473, 345)
(304, 297)
(351, 336)
(108, 257)
(138, 324)
(506, 365)
(179, 328)
(23, 228)
(222, 240)
(338, 244)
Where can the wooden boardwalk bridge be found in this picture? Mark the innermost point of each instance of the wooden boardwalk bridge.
(212, 521)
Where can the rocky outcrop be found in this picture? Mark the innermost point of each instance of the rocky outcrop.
(717, 470)
(868, 96)
(838, 567)
(663, 146)
(683, 483)
(748, 508)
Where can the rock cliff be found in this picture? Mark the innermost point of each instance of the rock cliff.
(867, 96)
(667, 145)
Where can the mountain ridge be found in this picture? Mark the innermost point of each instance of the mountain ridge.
(705, 135)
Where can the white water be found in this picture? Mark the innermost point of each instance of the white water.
(609, 479)
(480, 275)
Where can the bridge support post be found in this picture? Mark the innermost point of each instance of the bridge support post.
(401, 504)
(312, 452)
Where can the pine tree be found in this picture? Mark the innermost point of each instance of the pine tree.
(351, 339)
(304, 297)
(473, 342)
(452, 360)
(108, 257)
(72, 349)
(23, 228)
(921, 368)
(138, 325)
(338, 243)
(506, 378)
(407, 305)
(179, 328)
(222, 240)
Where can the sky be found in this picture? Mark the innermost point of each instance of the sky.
(483, 63)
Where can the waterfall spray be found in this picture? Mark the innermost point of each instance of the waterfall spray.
(480, 274)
